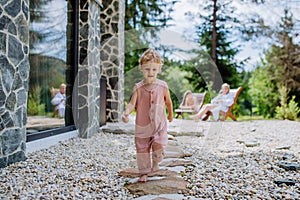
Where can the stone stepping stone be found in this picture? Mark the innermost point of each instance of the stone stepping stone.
(283, 147)
(171, 137)
(177, 169)
(134, 173)
(172, 143)
(166, 180)
(168, 185)
(251, 143)
(287, 156)
(175, 152)
(128, 128)
(289, 165)
(171, 162)
(285, 181)
(248, 143)
(180, 132)
(114, 128)
(165, 197)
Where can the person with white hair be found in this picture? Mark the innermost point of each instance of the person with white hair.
(221, 102)
(59, 100)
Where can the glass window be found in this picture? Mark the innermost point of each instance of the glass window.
(48, 21)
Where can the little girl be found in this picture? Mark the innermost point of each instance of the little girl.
(149, 98)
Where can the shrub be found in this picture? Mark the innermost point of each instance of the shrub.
(33, 101)
(286, 110)
(32, 105)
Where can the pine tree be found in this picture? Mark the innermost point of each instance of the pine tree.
(37, 15)
(280, 68)
(143, 20)
(213, 34)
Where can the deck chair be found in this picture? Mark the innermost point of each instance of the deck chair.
(235, 93)
(199, 100)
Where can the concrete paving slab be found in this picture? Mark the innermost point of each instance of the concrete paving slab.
(49, 141)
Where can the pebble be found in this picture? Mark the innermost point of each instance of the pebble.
(88, 169)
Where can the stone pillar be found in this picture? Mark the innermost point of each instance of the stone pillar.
(87, 83)
(112, 56)
(14, 76)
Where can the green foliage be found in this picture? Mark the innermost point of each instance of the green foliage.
(244, 104)
(32, 106)
(171, 73)
(263, 91)
(147, 13)
(203, 69)
(285, 54)
(33, 102)
(177, 83)
(41, 109)
(236, 111)
(130, 78)
(143, 20)
(45, 72)
(280, 68)
(200, 71)
(286, 110)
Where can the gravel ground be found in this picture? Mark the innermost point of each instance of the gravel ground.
(225, 168)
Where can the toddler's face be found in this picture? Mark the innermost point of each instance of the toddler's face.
(150, 71)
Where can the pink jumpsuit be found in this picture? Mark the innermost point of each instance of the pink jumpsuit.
(151, 124)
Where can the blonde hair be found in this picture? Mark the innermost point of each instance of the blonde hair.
(224, 85)
(184, 97)
(150, 56)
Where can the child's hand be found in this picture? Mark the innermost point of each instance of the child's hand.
(125, 118)
(170, 118)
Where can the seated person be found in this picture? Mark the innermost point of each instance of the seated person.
(188, 101)
(220, 103)
(59, 100)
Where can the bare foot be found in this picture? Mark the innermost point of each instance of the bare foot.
(194, 117)
(143, 178)
(155, 167)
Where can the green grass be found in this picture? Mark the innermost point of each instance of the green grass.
(239, 118)
(249, 118)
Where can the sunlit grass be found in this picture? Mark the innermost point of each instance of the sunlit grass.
(249, 118)
(239, 118)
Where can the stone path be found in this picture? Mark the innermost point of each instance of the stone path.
(168, 182)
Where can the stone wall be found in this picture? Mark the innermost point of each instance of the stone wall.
(100, 54)
(14, 74)
(87, 85)
(112, 56)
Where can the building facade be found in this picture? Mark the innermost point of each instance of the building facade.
(95, 52)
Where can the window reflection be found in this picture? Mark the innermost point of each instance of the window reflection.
(48, 20)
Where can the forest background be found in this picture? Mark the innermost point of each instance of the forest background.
(271, 86)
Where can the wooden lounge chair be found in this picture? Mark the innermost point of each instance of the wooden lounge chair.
(199, 100)
(235, 93)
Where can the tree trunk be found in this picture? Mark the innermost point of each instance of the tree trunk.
(214, 34)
